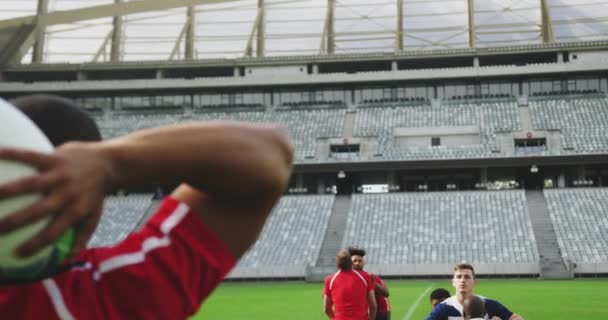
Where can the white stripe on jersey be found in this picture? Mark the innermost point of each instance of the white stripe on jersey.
(57, 299)
(175, 218)
(361, 277)
(148, 245)
(128, 259)
(331, 283)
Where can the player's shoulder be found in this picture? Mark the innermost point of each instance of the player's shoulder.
(491, 303)
(451, 306)
(332, 275)
(445, 309)
(497, 309)
(362, 273)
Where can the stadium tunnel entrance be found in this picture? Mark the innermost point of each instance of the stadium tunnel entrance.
(347, 182)
(531, 177)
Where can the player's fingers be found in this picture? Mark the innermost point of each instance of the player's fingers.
(31, 184)
(46, 237)
(36, 159)
(34, 212)
(70, 216)
(84, 232)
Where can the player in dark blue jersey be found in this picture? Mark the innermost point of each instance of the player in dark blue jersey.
(464, 282)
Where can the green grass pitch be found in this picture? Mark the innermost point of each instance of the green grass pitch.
(581, 299)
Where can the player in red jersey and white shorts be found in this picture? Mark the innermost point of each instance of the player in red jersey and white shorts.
(231, 176)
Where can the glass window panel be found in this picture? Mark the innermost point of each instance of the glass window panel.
(507, 22)
(17, 8)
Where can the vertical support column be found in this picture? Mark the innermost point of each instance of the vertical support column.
(483, 176)
(392, 181)
(38, 50)
(190, 33)
(261, 32)
(399, 31)
(394, 66)
(546, 24)
(561, 180)
(580, 172)
(331, 37)
(81, 75)
(116, 44)
(321, 187)
(300, 180)
(472, 43)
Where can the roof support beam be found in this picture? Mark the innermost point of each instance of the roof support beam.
(15, 42)
(117, 31)
(399, 33)
(104, 11)
(546, 23)
(249, 47)
(190, 33)
(175, 52)
(38, 50)
(471, 4)
(328, 40)
(102, 49)
(261, 30)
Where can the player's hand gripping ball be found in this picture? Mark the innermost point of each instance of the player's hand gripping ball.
(17, 131)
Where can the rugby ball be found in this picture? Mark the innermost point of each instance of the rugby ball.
(18, 131)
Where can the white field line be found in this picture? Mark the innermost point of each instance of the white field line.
(411, 310)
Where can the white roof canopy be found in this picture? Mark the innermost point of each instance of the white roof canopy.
(78, 31)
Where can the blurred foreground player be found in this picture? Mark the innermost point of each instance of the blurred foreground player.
(474, 308)
(232, 175)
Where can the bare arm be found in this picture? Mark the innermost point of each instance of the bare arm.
(329, 306)
(233, 173)
(371, 301)
(241, 169)
(380, 289)
(516, 317)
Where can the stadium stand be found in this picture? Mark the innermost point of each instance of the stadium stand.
(487, 117)
(120, 216)
(581, 120)
(290, 240)
(580, 221)
(403, 230)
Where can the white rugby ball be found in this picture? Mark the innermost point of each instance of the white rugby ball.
(18, 131)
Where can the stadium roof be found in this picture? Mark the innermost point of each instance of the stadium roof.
(78, 31)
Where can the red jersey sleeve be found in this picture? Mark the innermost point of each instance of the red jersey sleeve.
(164, 271)
(371, 285)
(326, 286)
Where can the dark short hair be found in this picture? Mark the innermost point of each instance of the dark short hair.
(343, 260)
(440, 294)
(59, 118)
(354, 251)
(466, 266)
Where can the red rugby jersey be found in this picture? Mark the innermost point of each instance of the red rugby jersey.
(348, 290)
(163, 271)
